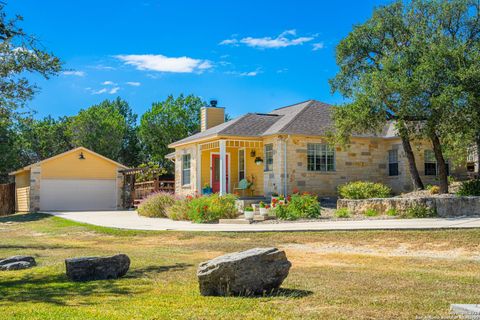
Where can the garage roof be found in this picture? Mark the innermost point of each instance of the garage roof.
(64, 153)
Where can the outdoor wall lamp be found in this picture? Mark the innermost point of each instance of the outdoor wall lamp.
(258, 161)
(81, 157)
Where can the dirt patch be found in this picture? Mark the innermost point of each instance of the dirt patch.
(402, 250)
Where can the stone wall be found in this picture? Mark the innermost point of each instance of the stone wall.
(451, 206)
(273, 180)
(35, 178)
(190, 189)
(364, 159)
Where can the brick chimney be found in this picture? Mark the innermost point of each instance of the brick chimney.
(212, 115)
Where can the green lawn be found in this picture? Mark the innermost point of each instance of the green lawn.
(335, 275)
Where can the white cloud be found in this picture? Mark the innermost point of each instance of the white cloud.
(102, 67)
(114, 90)
(231, 42)
(283, 70)
(246, 73)
(104, 90)
(74, 73)
(284, 39)
(161, 63)
(133, 83)
(318, 46)
(108, 83)
(249, 74)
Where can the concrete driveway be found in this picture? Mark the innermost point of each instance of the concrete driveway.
(131, 220)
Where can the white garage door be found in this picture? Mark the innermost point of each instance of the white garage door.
(77, 194)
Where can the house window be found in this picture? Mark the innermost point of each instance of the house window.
(320, 157)
(430, 163)
(393, 162)
(241, 164)
(185, 169)
(431, 168)
(269, 157)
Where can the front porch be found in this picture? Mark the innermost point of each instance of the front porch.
(224, 163)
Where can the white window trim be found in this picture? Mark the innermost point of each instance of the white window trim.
(244, 163)
(265, 157)
(189, 170)
(334, 159)
(389, 163)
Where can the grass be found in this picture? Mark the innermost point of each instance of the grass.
(335, 275)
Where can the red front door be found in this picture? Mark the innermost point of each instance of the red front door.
(216, 172)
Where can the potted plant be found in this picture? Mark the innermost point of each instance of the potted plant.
(263, 209)
(281, 200)
(274, 197)
(248, 213)
(207, 189)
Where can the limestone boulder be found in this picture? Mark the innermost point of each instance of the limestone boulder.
(97, 268)
(17, 263)
(252, 272)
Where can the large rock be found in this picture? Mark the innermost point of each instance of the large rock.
(17, 263)
(251, 272)
(97, 268)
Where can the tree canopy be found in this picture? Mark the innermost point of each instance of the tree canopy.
(167, 122)
(404, 64)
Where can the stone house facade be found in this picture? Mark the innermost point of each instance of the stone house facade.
(287, 150)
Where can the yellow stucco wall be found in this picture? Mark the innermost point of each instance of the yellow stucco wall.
(250, 166)
(69, 166)
(22, 191)
(22, 179)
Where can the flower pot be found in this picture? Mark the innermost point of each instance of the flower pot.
(248, 214)
(207, 191)
(264, 212)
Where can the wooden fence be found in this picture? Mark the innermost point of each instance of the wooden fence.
(7, 199)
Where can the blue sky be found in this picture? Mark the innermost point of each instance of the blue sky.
(252, 56)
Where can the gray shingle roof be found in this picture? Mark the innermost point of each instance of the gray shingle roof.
(309, 118)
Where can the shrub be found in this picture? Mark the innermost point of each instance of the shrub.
(299, 206)
(420, 211)
(391, 212)
(469, 188)
(342, 213)
(371, 212)
(179, 210)
(156, 205)
(211, 208)
(434, 190)
(364, 190)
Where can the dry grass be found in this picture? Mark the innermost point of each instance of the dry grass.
(335, 275)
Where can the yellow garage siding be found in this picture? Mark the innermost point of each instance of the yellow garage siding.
(69, 166)
(22, 196)
(22, 179)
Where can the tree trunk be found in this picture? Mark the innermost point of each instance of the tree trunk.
(412, 166)
(441, 164)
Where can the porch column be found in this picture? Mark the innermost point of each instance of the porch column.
(223, 166)
(199, 169)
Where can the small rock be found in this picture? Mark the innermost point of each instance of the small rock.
(97, 268)
(17, 263)
(16, 266)
(251, 272)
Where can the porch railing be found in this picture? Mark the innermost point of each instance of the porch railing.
(144, 189)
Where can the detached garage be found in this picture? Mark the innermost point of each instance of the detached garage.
(79, 179)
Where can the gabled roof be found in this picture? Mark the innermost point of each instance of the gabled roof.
(310, 117)
(65, 153)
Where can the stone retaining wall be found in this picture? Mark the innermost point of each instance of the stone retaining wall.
(445, 206)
